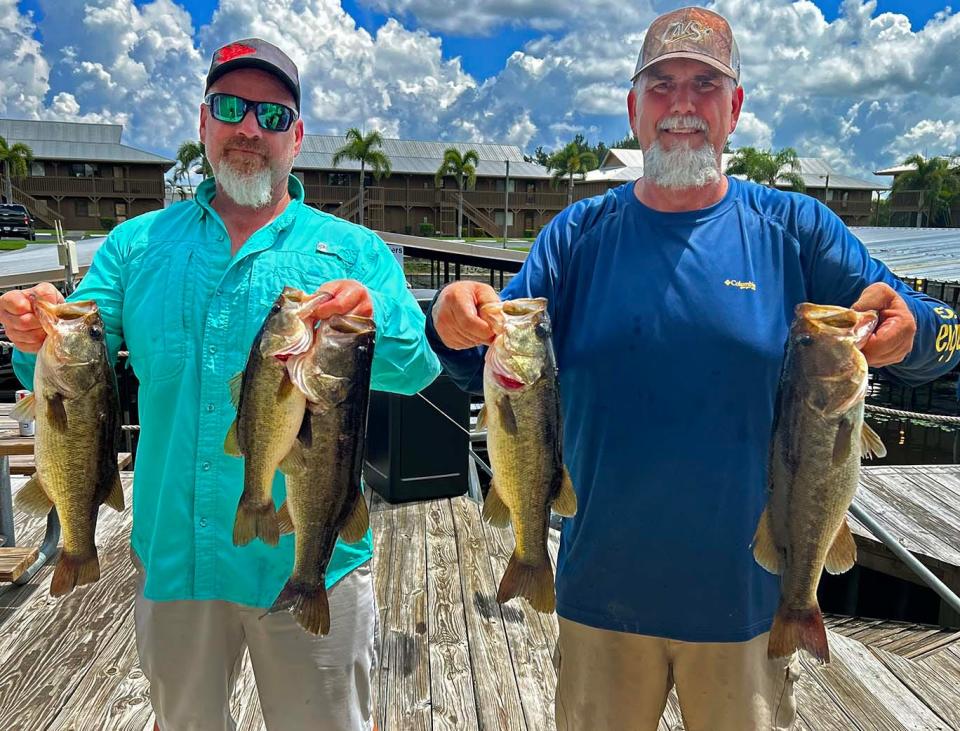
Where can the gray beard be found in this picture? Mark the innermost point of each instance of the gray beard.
(681, 167)
(251, 190)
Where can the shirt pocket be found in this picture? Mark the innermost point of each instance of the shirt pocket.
(158, 312)
(274, 270)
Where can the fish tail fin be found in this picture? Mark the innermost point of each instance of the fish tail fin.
(796, 629)
(533, 582)
(32, 498)
(309, 605)
(73, 571)
(255, 521)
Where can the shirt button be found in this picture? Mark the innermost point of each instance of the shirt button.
(219, 237)
(205, 466)
(212, 349)
(203, 522)
(211, 407)
(219, 292)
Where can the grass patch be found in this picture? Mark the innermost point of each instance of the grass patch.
(12, 244)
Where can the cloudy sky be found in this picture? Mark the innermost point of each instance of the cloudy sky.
(862, 84)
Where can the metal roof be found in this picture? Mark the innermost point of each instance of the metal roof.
(75, 141)
(417, 157)
(925, 253)
(621, 164)
(897, 169)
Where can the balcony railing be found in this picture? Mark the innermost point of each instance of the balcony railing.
(68, 186)
(432, 197)
(850, 207)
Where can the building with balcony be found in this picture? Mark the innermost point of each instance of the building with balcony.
(908, 207)
(848, 197)
(409, 198)
(82, 175)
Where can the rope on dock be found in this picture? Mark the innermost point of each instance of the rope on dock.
(935, 418)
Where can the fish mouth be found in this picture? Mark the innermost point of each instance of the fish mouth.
(835, 321)
(352, 324)
(309, 302)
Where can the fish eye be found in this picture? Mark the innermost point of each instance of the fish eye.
(542, 330)
(276, 308)
(805, 340)
(96, 333)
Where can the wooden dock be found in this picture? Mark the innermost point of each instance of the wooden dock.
(450, 657)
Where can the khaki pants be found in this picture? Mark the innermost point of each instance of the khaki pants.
(616, 681)
(191, 653)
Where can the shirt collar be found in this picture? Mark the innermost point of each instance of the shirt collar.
(208, 189)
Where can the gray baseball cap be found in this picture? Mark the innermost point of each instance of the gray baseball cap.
(255, 53)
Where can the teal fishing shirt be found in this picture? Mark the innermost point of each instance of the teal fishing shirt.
(188, 311)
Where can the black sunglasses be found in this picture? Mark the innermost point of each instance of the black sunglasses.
(231, 109)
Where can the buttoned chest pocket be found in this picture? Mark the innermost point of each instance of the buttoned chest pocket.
(274, 270)
(158, 308)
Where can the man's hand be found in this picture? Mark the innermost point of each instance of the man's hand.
(456, 315)
(16, 315)
(349, 298)
(892, 339)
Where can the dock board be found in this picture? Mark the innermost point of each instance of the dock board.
(450, 656)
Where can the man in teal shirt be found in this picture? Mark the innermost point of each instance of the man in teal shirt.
(187, 289)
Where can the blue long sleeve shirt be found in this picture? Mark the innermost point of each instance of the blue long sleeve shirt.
(167, 284)
(669, 330)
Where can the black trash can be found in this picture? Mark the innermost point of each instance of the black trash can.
(413, 452)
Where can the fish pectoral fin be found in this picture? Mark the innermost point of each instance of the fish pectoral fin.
(356, 526)
(293, 463)
(32, 498)
(481, 418)
(236, 383)
(508, 419)
(870, 443)
(56, 412)
(26, 409)
(115, 496)
(285, 519)
(843, 551)
(843, 442)
(231, 444)
(566, 502)
(495, 511)
(764, 549)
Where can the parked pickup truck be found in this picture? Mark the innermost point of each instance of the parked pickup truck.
(16, 221)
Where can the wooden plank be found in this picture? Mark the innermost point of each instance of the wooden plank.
(381, 523)
(244, 702)
(14, 561)
(46, 650)
(405, 652)
(530, 646)
(935, 681)
(451, 679)
(113, 693)
(937, 509)
(495, 686)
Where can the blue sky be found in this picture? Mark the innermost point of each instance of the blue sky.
(861, 84)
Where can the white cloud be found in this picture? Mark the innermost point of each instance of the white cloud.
(929, 137)
(23, 69)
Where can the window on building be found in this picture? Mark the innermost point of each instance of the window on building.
(338, 179)
(37, 170)
(82, 170)
(512, 186)
(498, 218)
(120, 211)
(87, 209)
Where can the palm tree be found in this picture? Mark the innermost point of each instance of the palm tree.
(363, 149)
(936, 182)
(569, 161)
(16, 160)
(459, 166)
(191, 158)
(767, 168)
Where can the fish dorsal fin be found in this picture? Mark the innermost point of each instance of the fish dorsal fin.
(25, 410)
(870, 443)
(566, 502)
(843, 551)
(32, 498)
(764, 549)
(481, 418)
(115, 496)
(495, 511)
(356, 526)
(231, 444)
(285, 519)
(236, 383)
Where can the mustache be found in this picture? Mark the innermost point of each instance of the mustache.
(246, 145)
(683, 121)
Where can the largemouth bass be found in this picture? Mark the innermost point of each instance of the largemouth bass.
(818, 439)
(524, 438)
(269, 411)
(323, 469)
(77, 414)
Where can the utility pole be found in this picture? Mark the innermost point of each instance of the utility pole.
(506, 203)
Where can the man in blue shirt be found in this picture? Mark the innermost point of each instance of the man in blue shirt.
(187, 289)
(671, 299)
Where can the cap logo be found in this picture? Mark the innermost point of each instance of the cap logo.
(685, 30)
(234, 50)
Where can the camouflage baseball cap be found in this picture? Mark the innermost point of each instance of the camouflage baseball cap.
(694, 33)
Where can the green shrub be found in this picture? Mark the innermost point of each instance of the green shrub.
(426, 229)
(107, 224)
(528, 233)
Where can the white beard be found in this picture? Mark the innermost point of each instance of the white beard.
(247, 190)
(681, 167)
